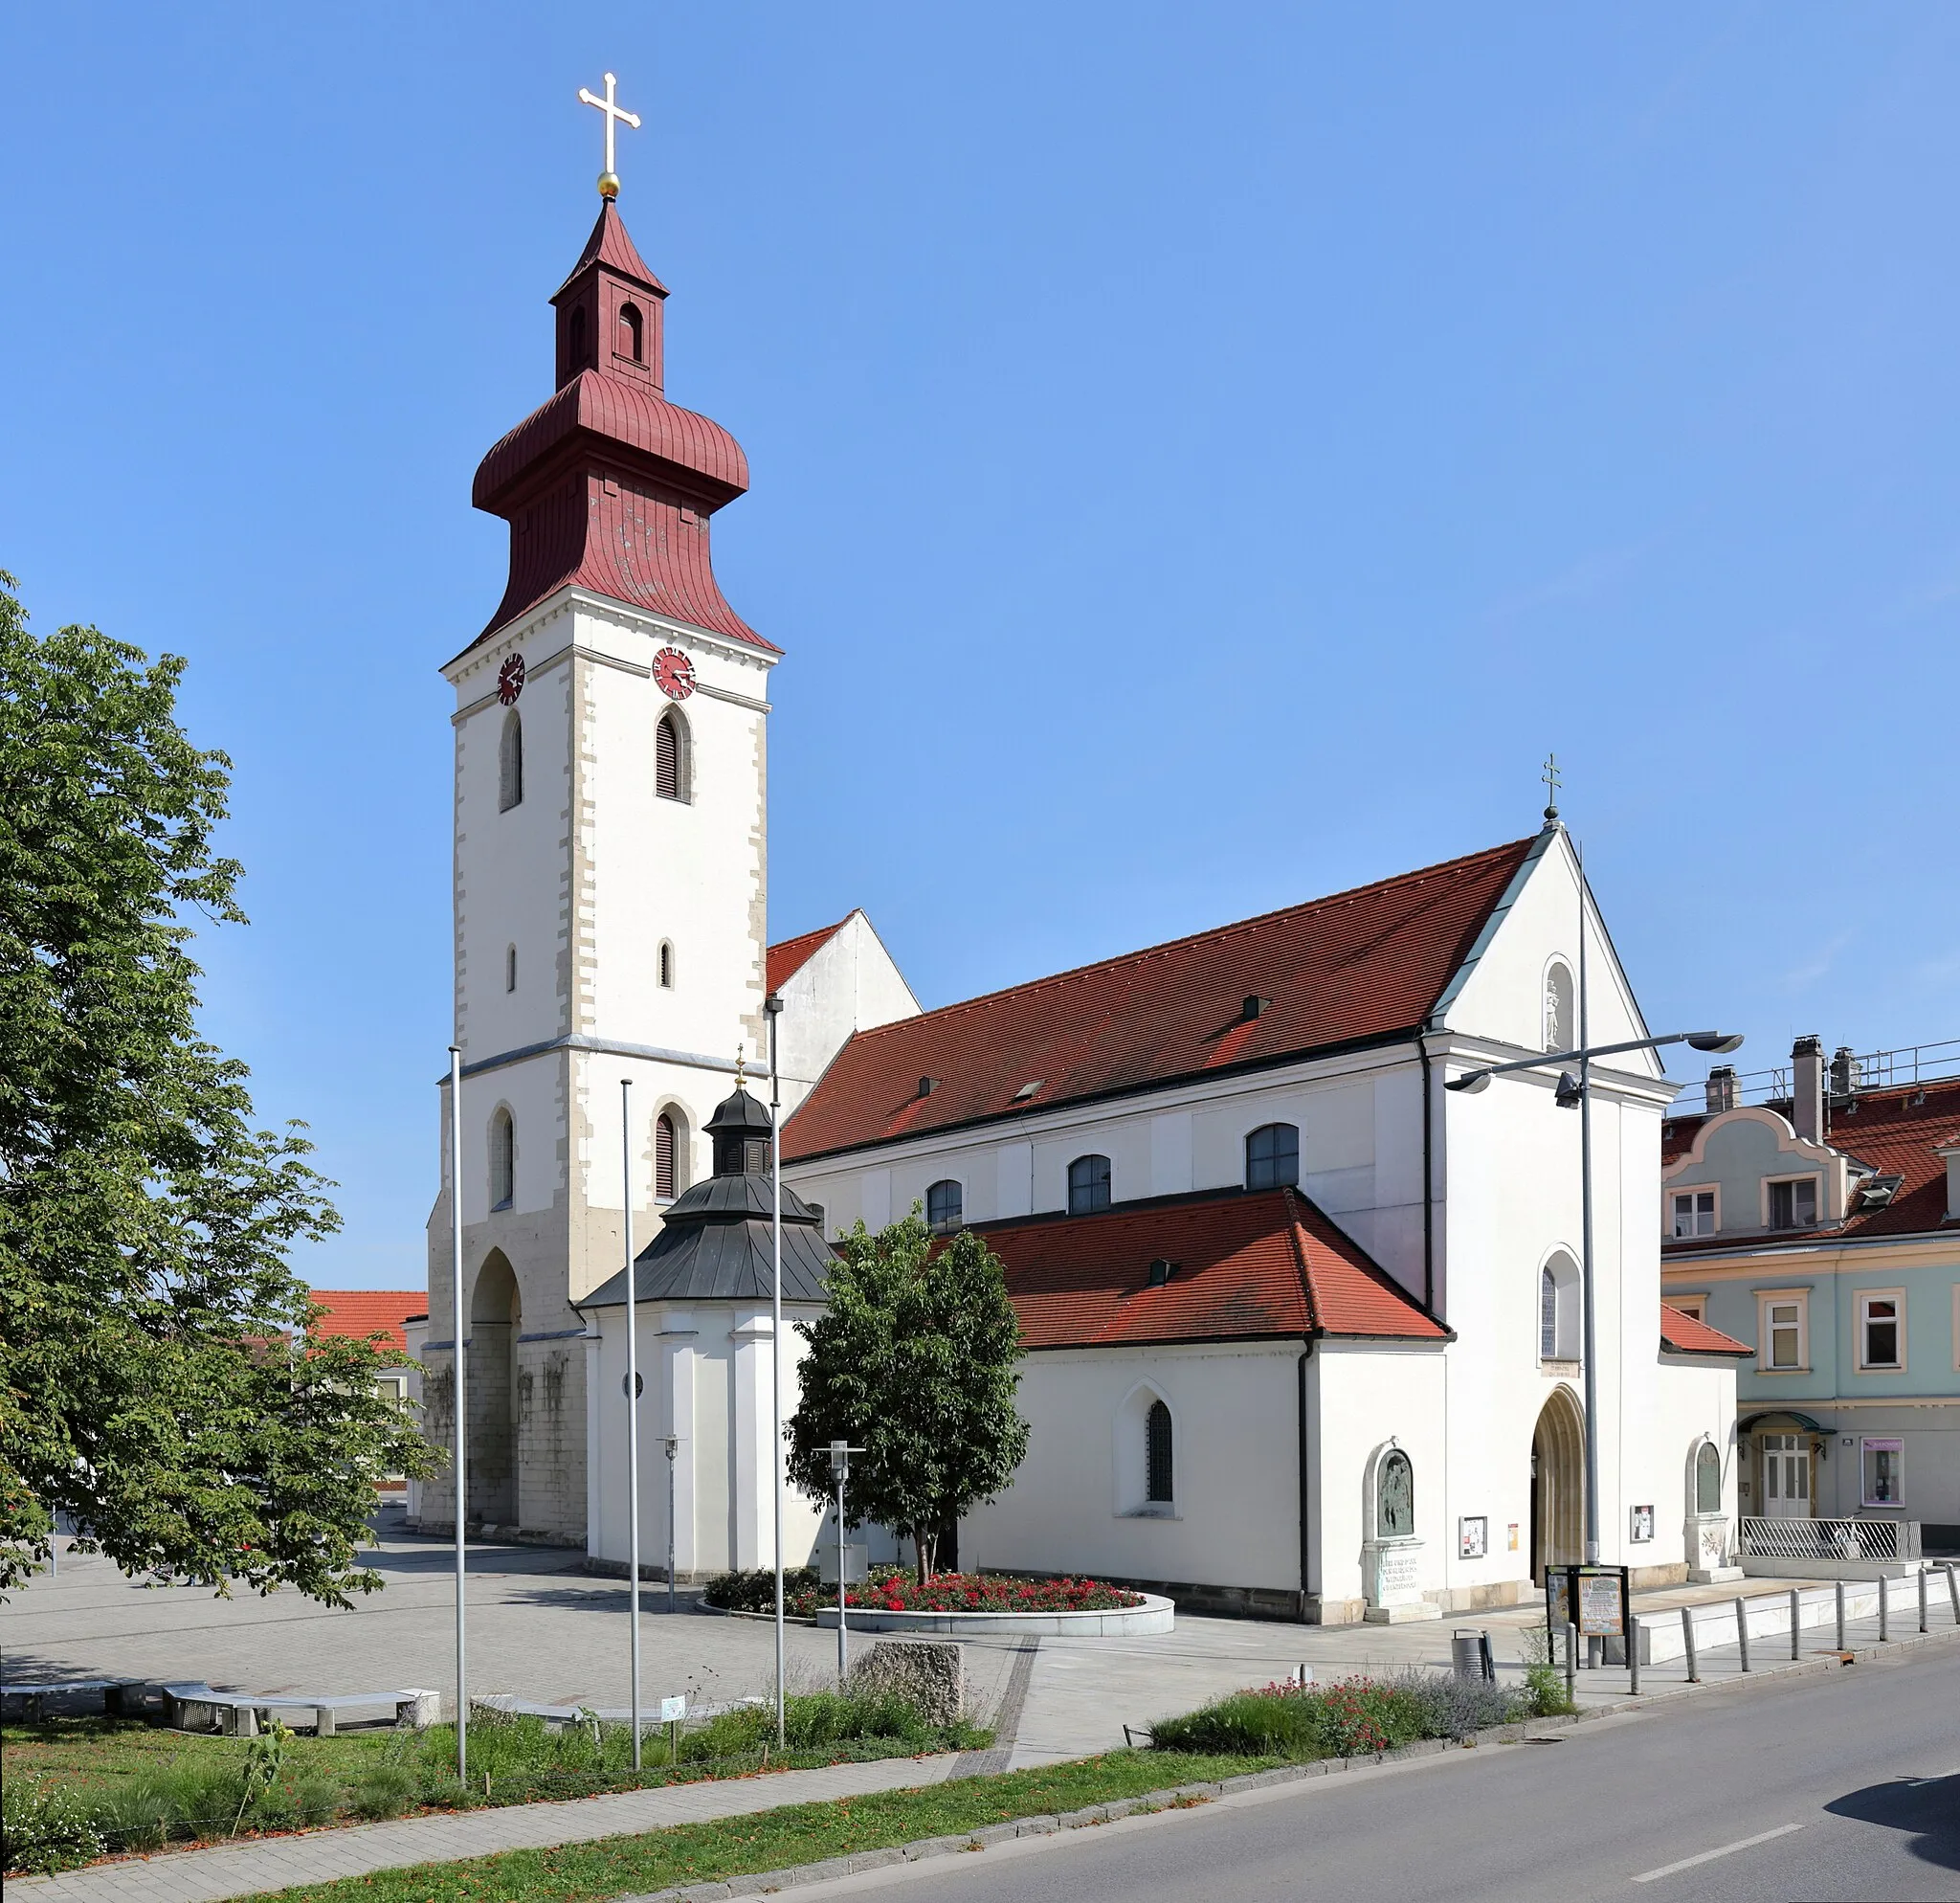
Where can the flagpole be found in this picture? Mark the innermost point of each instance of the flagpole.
(632, 1405)
(455, 1294)
(774, 1005)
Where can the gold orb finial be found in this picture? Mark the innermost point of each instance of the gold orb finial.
(608, 185)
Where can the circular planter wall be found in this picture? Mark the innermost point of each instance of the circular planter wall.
(1156, 1614)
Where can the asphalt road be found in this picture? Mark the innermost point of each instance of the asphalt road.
(1848, 1782)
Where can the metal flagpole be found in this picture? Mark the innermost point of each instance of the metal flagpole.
(456, 1293)
(773, 1006)
(1589, 1367)
(631, 1406)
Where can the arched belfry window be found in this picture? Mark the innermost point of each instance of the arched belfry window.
(1272, 1157)
(631, 330)
(665, 1147)
(666, 964)
(503, 1159)
(673, 766)
(1088, 1185)
(1395, 1498)
(1158, 1473)
(1558, 1030)
(577, 350)
(510, 763)
(946, 1203)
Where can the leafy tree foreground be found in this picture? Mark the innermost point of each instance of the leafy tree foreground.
(160, 1379)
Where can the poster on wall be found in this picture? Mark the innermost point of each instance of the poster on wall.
(1473, 1537)
(1882, 1462)
(1639, 1523)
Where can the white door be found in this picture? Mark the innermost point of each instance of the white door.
(1785, 1477)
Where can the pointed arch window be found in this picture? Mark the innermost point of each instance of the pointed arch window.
(630, 332)
(1158, 1474)
(1272, 1157)
(503, 1159)
(665, 1152)
(673, 766)
(510, 764)
(1088, 1185)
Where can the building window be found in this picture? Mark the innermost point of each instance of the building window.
(666, 965)
(1558, 1310)
(1694, 1213)
(1708, 1479)
(510, 968)
(1088, 1185)
(1394, 1505)
(1880, 1341)
(1696, 1305)
(1557, 1028)
(629, 333)
(1272, 1157)
(510, 764)
(1157, 1450)
(673, 766)
(944, 1206)
(1782, 1333)
(1882, 1472)
(503, 1160)
(664, 1148)
(1793, 1204)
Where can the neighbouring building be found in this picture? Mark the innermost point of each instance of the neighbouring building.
(391, 1314)
(1823, 1225)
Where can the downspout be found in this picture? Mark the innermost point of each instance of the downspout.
(1427, 1178)
(1305, 1502)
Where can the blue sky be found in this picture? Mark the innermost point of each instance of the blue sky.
(1202, 459)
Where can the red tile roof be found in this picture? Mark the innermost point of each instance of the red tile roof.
(1689, 1335)
(365, 1311)
(1896, 1132)
(788, 958)
(1344, 970)
(1249, 1265)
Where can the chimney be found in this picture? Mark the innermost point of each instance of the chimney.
(1844, 1072)
(1721, 1090)
(1807, 1089)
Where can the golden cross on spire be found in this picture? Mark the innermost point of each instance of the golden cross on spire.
(740, 1072)
(609, 179)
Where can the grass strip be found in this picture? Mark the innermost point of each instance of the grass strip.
(772, 1839)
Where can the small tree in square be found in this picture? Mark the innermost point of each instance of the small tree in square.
(916, 1361)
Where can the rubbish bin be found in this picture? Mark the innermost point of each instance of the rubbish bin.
(1466, 1654)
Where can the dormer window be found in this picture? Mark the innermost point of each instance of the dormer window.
(1792, 1205)
(1694, 1213)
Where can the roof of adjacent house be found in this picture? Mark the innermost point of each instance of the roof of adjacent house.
(362, 1312)
(1352, 969)
(1897, 1131)
(789, 957)
(1247, 1264)
(1689, 1335)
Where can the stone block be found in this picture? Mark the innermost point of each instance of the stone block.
(928, 1673)
(416, 1710)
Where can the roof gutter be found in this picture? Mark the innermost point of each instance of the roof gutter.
(1428, 1179)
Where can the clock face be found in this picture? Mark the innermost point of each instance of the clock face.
(674, 674)
(510, 679)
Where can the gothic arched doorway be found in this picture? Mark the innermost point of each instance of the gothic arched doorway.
(1558, 1484)
(487, 1370)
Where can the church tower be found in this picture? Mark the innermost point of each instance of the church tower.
(609, 879)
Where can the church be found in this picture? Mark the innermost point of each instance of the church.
(1302, 1326)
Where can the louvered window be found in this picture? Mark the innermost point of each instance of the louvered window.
(1157, 1455)
(666, 963)
(663, 1157)
(670, 758)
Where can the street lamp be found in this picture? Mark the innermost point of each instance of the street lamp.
(840, 1466)
(1579, 1091)
(772, 1005)
(632, 1386)
(670, 1442)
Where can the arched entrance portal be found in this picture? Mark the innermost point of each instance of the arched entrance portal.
(495, 1313)
(1558, 1485)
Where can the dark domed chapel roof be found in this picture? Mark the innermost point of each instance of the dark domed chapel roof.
(714, 1240)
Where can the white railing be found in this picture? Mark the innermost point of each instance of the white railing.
(1828, 1539)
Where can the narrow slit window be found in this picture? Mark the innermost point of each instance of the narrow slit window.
(666, 965)
(663, 1157)
(503, 1160)
(510, 765)
(510, 968)
(1157, 1456)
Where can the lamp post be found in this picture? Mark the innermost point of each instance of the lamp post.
(671, 1445)
(772, 1005)
(456, 1310)
(631, 1406)
(840, 1466)
(1577, 1091)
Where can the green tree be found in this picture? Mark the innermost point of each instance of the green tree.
(160, 1379)
(916, 1362)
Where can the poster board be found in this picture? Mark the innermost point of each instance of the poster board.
(1595, 1598)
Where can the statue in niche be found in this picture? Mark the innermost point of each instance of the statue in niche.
(1395, 1502)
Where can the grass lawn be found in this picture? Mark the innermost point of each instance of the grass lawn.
(777, 1839)
(96, 1753)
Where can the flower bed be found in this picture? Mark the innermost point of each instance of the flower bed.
(896, 1590)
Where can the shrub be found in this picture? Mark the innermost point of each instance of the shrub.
(43, 1828)
(134, 1813)
(1357, 1717)
(1545, 1684)
(755, 1590)
(387, 1790)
